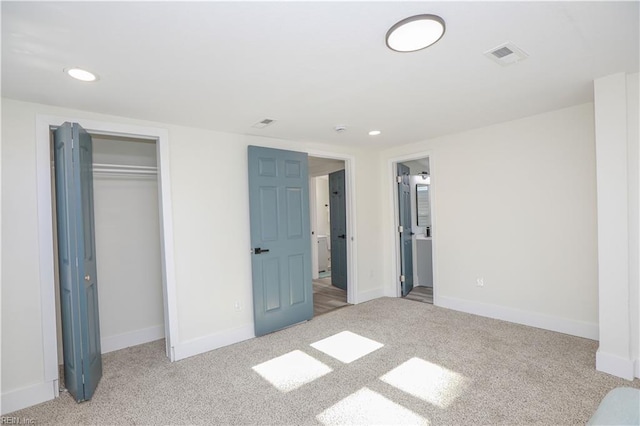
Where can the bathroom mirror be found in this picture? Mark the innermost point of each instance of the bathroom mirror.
(422, 205)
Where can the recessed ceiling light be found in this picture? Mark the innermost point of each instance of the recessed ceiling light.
(415, 33)
(80, 74)
(374, 132)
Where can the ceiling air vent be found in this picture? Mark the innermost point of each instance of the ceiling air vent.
(506, 54)
(264, 123)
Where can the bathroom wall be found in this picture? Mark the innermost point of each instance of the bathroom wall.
(422, 245)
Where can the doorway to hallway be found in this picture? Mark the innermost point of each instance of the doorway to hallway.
(328, 199)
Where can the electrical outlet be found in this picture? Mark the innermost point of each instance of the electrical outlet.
(480, 282)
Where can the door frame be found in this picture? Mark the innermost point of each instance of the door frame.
(350, 191)
(44, 123)
(394, 209)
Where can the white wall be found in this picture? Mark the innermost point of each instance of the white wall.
(633, 127)
(322, 205)
(618, 164)
(213, 268)
(528, 227)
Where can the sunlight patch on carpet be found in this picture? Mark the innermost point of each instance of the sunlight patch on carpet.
(429, 382)
(291, 370)
(346, 346)
(366, 407)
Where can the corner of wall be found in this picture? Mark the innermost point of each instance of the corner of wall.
(615, 365)
(26, 397)
(204, 344)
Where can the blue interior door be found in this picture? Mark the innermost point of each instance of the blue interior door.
(77, 262)
(406, 239)
(280, 238)
(338, 220)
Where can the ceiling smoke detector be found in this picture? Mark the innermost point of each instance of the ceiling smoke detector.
(340, 128)
(506, 54)
(264, 123)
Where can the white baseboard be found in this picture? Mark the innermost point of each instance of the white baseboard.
(26, 397)
(637, 368)
(561, 325)
(133, 338)
(214, 341)
(614, 365)
(365, 296)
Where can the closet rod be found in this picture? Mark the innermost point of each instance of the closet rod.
(124, 170)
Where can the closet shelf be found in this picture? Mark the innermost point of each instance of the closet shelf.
(124, 170)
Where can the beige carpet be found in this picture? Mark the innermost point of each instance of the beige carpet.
(426, 365)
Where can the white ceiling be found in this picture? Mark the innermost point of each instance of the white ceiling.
(314, 65)
(323, 166)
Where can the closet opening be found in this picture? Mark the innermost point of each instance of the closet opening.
(128, 244)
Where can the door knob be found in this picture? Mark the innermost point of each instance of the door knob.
(342, 236)
(87, 277)
(259, 250)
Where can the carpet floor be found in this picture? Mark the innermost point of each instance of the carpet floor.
(387, 361)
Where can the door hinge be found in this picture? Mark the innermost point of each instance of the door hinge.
(401, 278)
(82, 365)
(400, 229)
(399, 179)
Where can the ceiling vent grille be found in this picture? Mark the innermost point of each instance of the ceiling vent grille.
(264, 123)
(506, 54)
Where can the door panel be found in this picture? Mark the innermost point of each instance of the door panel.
(77, 262)
(406, 239)
(294, 213)
(296, 275)
(271, 283)
(280, 237)
(338, 222)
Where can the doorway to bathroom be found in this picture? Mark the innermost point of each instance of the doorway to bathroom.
(327, 195)
(413, 197)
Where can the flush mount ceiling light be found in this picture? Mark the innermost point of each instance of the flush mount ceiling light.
(80, 74)
(415, 33)
(374, 132)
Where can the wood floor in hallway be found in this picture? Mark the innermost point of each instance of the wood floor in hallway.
(326, 297)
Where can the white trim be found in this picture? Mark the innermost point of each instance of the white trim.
(45, 227)
(637, 367)
(532, 319)
(132, 338)
(26, 397)
(45, 248)
(614, 365)
(314, 227)
(214, 341)
(350, 192)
